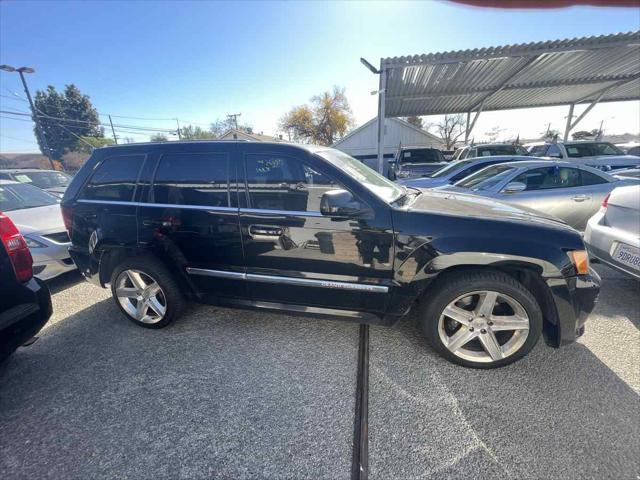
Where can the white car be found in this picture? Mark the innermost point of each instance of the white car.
(613, 233)
(37, 215)
(602, 155)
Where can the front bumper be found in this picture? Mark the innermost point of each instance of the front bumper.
(574, 299)
(52, 260)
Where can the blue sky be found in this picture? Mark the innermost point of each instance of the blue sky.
(202, 60)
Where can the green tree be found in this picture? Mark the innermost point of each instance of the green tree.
(65, 117)
(87, 144)
(159, 137)
(191, 132)
(415, 121)
(324, 121)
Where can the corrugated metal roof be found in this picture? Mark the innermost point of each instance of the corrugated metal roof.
(515, 76)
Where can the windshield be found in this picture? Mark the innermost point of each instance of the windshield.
(491, 150)
(372, 180)
(486, 178)
(452, 167)
(18, 196)
(43, 179)
(577, 150)
(421, 155)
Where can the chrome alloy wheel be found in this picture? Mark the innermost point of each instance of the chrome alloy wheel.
(483, 326)
(141, 296)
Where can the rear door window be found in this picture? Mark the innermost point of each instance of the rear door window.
(200, 179)
(589, 178)
(115, 179)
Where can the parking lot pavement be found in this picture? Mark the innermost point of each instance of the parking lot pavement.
(220, 394)
(235, 394)
(566, 413)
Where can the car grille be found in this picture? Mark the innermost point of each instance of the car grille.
(60, 237)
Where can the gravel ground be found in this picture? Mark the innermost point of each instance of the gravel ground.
(236, 394)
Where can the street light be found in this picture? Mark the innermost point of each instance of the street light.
(43, 141)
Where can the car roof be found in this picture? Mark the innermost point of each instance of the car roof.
(308, 147)
(506, 158)
(417, 147)
(476, 145)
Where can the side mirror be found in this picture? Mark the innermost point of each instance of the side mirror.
(514, 187)
(341, 203)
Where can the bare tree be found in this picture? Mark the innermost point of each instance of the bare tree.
(450, 129)
(494, 133)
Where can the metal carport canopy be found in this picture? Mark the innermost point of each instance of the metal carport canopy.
(540, 74)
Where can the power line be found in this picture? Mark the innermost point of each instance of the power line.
(19, 139)
(16, 119)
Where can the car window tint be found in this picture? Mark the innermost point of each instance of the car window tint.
(192, 179)
(589, 178)
(468, 171)
(114, 179)
(5, 176)
(554, 150)
(549, 177)
(538, 150)
(278, 182)
(421, 155)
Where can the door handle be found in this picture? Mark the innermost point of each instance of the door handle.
(263, 231)
(579, 198)
(90, 216)
(157, 223)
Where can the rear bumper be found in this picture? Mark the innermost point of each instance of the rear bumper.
(574, 299)
(602, 241)
(24, 320)
(89, 265)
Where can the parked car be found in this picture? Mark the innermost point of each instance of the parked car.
(488, 150)
(630, 148)
(458, 170)
(52, 181)
(25, 302)
(602, 155)
(412, 162)
(37, 215)
(570, 192)
(613, 233)
(311, 230)
(634, 151)
(627, 173)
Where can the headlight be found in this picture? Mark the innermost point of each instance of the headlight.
(580, 260)
(31, 243)
(402, 174)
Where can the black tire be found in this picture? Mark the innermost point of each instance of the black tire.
(452, 286)
(175, 301)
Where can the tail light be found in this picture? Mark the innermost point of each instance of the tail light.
(67, 214)
(17, 249)
(605, 202)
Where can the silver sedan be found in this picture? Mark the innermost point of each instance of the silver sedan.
(613, 233)
(570, 192)
(37, 215)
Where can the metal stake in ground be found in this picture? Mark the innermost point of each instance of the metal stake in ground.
(360, 464)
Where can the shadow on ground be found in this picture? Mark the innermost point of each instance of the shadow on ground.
(220, 394)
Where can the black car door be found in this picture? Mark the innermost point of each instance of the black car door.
(189, 213)
(294, 255)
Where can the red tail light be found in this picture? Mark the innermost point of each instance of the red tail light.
(67, 214)
(605, 202)
(17, 249)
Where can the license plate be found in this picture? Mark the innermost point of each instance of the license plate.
(628, 255)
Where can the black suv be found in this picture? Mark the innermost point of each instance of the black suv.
(311, 230)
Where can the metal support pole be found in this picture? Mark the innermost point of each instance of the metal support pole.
(567, 129)
(34, 116)
(381, 117)
(179, 134)
(115, 139)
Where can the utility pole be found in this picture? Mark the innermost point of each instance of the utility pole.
(115, 138)
(34, 115)
(179, 134)
(234, 116)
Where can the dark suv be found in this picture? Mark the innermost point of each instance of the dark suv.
(311, 230)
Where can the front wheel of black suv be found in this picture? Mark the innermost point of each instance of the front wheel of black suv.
(482, 319)
(146, 292)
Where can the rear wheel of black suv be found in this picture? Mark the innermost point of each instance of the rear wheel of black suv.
(483, 319)
(146, 292)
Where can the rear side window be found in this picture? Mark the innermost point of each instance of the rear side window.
(192, 179)
(589, 178)
(538, 150)
(115, 179)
